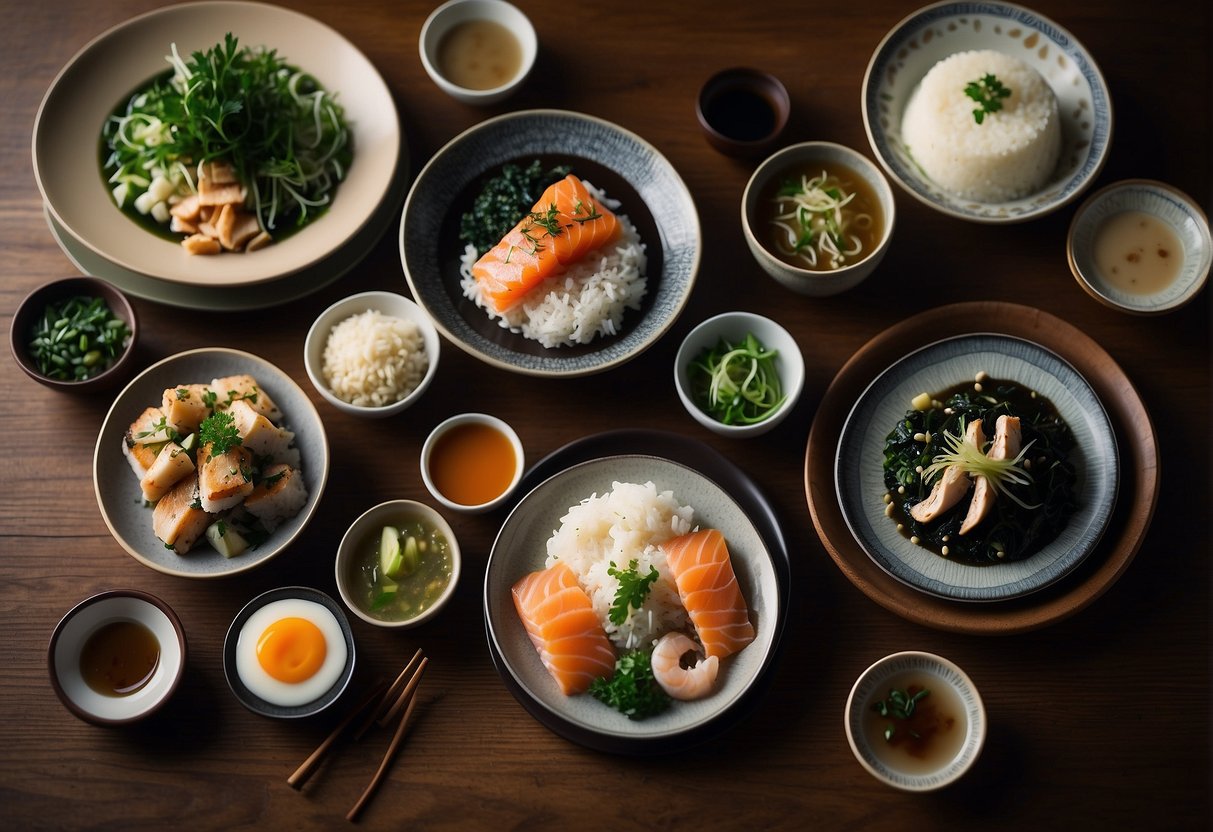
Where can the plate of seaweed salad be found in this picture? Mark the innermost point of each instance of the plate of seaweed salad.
(472, 188)
(923, 436)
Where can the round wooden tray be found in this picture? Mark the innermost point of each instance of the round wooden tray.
(1136, 500)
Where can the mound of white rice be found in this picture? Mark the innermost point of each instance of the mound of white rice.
(586, 300)
(1009, 155)
(627, 523)
(372, 359)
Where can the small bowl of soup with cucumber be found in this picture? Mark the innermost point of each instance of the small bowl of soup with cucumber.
(398, 564)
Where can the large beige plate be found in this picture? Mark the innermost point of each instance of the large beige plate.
(68, 127)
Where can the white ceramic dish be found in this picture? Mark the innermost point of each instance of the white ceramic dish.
(387, 303)
(444, 427)
(943, 677)
(859, 466)
(734, 326)
(619, 162)
(934, 32)
(1173, 208)
(520, 548)
(808, 157)
(85, 619)
(370, 523)
(112, 66)
(117, 488)
(454, 12)
(231, 644)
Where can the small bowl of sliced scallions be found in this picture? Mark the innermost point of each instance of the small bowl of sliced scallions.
(739, 374)
(76, 334)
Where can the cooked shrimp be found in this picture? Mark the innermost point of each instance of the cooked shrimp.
(681, 682)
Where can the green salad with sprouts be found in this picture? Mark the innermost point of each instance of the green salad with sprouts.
(283, 135)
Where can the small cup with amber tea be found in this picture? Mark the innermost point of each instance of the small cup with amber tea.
(915, 721)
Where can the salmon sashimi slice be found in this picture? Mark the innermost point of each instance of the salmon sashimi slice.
(565, 225)
(560, 619)
(1005, 446)
(708, 586)
(952, 483)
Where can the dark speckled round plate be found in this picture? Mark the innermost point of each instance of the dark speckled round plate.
(623, 165)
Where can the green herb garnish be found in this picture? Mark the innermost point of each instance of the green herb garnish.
(899, 705)
(736, 384)
(633, 691)
(989, 92)
(219, 431)
(504, 201)
(285, 136)
(77, 338)
(633, 589)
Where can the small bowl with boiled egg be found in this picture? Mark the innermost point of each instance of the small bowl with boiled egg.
(478, 51)
(1140, 246)
(289, 653)
(117, 657)
(398, 564)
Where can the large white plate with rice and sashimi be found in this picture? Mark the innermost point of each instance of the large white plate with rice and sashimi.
(550, 243)
(632, 605)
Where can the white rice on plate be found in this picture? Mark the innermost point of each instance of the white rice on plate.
(1010, 155)
(585, 301)
(372, 359)
(627, 523)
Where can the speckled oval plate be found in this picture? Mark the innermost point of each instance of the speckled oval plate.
(933, 33)
(623, 165)
(859, 466)
(118, 493)
(521, 547)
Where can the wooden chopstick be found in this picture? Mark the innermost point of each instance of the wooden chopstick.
(377, 713)
(406, 695)
(296, 780)
(401, 730)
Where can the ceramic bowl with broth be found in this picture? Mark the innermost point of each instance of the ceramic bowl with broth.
(478, 51)
(117, 657)
(472, 462)
(915, 721)
(1140, 246)
(818, 217)
(398, 564)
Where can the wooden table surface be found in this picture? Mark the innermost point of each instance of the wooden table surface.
(1101, 720)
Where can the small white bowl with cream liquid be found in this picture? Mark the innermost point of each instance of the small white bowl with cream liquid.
(1140, 246)
(478, 51)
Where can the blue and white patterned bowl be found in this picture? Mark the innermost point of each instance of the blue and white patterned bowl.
(1169, 205)
(859, 470)
(933, 33)
(619, 162)
(873, 685)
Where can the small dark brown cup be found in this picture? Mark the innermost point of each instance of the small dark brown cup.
(743, 111)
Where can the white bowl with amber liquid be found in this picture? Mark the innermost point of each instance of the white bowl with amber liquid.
(920, 747)
(478, 51)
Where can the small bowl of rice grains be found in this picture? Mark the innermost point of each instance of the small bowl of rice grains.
(372, 354)
(990, 113)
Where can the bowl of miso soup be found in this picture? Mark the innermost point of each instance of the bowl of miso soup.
(818, 217)
(398, 564)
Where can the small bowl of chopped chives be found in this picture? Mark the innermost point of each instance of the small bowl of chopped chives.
(739, 374)
(818, 217)
(76, 334)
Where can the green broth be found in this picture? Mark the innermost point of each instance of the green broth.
(413, 593)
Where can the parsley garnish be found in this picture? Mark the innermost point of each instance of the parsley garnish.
(987, 91)
(219, 431)
(632, 690)
(633, 589)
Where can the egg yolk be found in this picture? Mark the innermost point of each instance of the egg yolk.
(291, 650)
